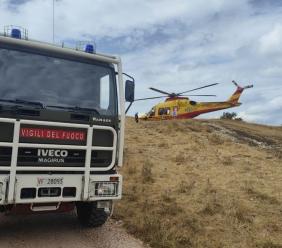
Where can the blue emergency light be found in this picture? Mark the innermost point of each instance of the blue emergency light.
(89, 48)
(16, 33)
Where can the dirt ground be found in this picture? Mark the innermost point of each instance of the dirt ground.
(61, 231)
(203, 183)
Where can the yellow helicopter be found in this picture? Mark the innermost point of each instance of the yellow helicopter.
(179, 106)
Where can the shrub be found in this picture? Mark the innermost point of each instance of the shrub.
(228, 116)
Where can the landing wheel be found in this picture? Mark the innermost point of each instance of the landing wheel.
(89, 215)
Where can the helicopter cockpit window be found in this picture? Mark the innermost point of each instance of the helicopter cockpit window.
(164, 111)
(161, 110)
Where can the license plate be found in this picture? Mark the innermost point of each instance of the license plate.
(50, 181)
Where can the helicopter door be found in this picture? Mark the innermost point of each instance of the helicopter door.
(167, 111)
(164, 111)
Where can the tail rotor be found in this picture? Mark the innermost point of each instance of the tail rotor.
(245, 87)
(237, 85)
(236, 95)
(249, 86)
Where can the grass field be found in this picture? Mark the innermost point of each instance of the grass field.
(203, 183)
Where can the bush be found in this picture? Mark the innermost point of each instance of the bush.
(228, 116)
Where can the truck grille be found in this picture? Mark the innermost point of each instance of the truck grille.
(42, 157)
(5, 156)
(51, 146)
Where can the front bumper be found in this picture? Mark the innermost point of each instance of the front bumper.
(44, 188)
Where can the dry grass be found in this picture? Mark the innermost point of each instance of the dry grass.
(215, 139)
(146, 172)
(203, 184)
(261, 196)
(186, 187)
(179, 159)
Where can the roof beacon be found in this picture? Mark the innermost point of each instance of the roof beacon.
(86, 46)
(16, 33)
(89, 48)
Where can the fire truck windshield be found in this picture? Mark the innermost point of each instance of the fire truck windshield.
(57, 82)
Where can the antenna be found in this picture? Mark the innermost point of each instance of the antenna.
(53, 21)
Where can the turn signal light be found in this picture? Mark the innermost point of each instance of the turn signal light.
(114, 179)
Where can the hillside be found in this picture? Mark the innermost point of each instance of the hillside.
(203, 183)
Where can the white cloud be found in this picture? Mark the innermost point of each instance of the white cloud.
(174, 45)
(273, 71)
(270, 43)
(105, 18)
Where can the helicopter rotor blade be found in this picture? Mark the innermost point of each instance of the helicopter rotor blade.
(157, 97)
(198, 95)
(160, 91)
(205, 86)
(148, 98)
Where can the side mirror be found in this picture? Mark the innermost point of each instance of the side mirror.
(129, 91)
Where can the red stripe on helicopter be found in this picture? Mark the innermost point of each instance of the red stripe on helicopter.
(196, 113)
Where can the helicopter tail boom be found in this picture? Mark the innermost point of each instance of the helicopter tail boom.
(236, 95)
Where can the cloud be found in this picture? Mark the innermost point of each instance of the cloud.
(264, 112)
(174, 45)
(270, 43)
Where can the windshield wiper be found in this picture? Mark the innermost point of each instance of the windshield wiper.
(24, 102)
(76, 108)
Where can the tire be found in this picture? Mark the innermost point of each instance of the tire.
(89, 215)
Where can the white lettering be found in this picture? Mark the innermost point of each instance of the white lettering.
(51, 160)
(64, 153)
(52, 153)
(57, 153)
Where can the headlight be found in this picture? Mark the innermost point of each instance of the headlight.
(103, 189)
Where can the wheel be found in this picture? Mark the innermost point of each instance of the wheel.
(89, 215)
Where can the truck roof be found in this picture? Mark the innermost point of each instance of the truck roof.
(6, 41)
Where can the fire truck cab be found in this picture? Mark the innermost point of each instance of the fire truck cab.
(61, 128)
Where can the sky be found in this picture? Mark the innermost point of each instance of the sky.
(175, 45)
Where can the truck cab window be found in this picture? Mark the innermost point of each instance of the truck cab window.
(57, 81)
